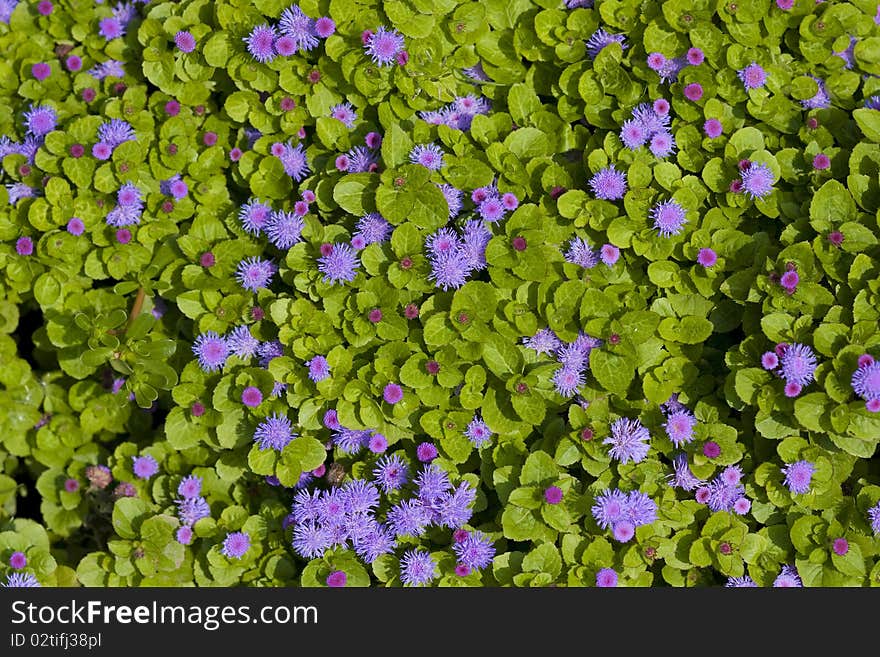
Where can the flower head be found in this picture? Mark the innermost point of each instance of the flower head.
(821, 100)
(740, 582)
(255, 273)
(192, 509)
(429, 156)
(241, 343)
(865, 380)
(798, 476)
(391, 472)
(752, 76)
(261, 43)
(417, 568)
(543, 342)
(189, 487)
(211, 350)
(144, 467)
(235, 545)
(319, 369)
(609, 184)
(294, 161)
(601, 38)
(478, 432)
(274, 432)
(340, 265)
(476, 551)
(284, 229)
(40, 120)
(680, 427)
(606, 578)
(344, 112)
(683, 477)
(788, 578)
(628, 440)
(797, 364)
(450, 269)
(185, 41)
(757, 180)
(21, 580)
(383, 45)
(580, 252)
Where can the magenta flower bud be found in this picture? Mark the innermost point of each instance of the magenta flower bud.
(24, 246)
(209, 138)
(707, 257)
(821, 162)
(235, 154)
(553, 495)
(375, 315)
(695, 56)
(77, 150)
(841, 546)
(711, 450)
(336, 579)
(656, 61)
(392, 393)
(661, 106)
(172, 108)
(251, 397)
(713, 128)
(373, 140)
(71, 485)
(41, 71)
(75, 226)
(45, 7)
(73, 63)
(693, 91)
(287, 103)
(88, 94)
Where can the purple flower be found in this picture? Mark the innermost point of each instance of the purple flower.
(185, 41)
(788, 578)
(211, 350)
(798, 476)
(409, 518)
(21, 580)
(707, 257)
(723, 496)
(568, 380)
(18, 191)
(874, 101)
(752, 76)
(359, 160)
(543, 342)
(344, 112)
(639, 509)
(261, 43)
(268, 351)
(606, 578)
(110, 28)
(797, 364)
(340, 265)
(144, 467)
(284, 229)
(6, 9)
(553, 495)
(628, 440)
(609, 508)
(251, 397)
(476, 237)
(40, 120)
(24, 246)
(476, 551)
(757, 180)
(609, 254)
(450, 269)
(581, 253)
(254, 215)
(383, 46)
(866, 380)
(325, 27)
(713, 128)
(310, 540)
(609, 184)
(740, 582)
(662, 144)
(683, 477)
(669, 71)
(235, 545)
(392, 393)
(18, 560)
(275, 432)
(680, 427)
(478, 432)
(391, 472)
(319, 369)
(192, 509)
(293, 158)
(429, 156)
(669, 217)
(874, 517)
(255, 273)
(601, 38)
(350, 441)
(189, 487)
(373, 228)
(112, 68)
(299, 27)
(241, 343)
(633, 134)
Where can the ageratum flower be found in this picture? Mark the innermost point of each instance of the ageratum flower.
(581, 253)
(310, 540)
(409, 518)
(192, 509)
(373, 228)
(235, 545)
(478, 432)
(254, 215)
(797, 364)
(752, 76)
(544, 341)
(299, 27)
(798, 476)
(788, 578)
(609, 508)
(628, 440)
(350, 441)
(293, 158)
(261, 43)
(740, 582)
(874, 518)
(319, 369)
(609, 184)
(21, 580)
(866, 382)
(606, 578)
(417, 568)
(40, 120)
(679, 427)
(429, 156)
(475, 239)
(568, 380)
(6, 9)
(241, 343)
(683, 477)
(274, 432)
(211, 350)
(453, 198)
(255, 273)
(144, 467)
(360, 160)
(601, 38)
(476, 551)
(450, 269)
(344, 112)
(284, 229)
(340, 265)
(757, 180)
(391, 472)
(383, 46)
(115, 132)
(189, 487)
(633, 134)
(821, 100)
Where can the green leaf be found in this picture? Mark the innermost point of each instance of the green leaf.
(539, 468)
(128, 514)
(501, 357)
(543, 559)
(613, 371)
(355, 193)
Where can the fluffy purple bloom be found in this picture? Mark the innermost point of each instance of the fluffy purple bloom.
(609, 508)
(284, 229)
(601, 38)
(241, 343)
(752, 76)
(713, 128)
(478, 432)
(144, 467)
(211, 350)
(475, 239)
(350, 441)
(254, 215)
(299, 27)
(662, 144)
(452, 509)
(18, 191)
(723, 496)
(628, 440)
(797, 364)
(788, 578)
(429, 156)
(294, 160)
(476, 551)
(185, 41)
(360, 160)
(609, 184)
(757, 180)
(476, 73)
(189, 487)
(543, 342)
(639, 509)
(192, 509)
(373, 228)
(235, 545)
(683, 477)
(255, 273)
(450, 269)
(866, 380)
(40, 120)
(306, 506)
(633, 134)
(344, 112)
(274, 432)
(567, 380)
(261, 43)
(453, 198)
(798, 476)
(606, 578)
(874, 518)
(6, 9)
(581, 253)
(740, 582)
(680, 427)
(268, 351)
(442, 241)
(409, 518)
(417, 568)
(359, 496)
(340, 265)
(319, 369)
(112, 68)
(432, 482)
(310, 540)
(383, 46)
(374, 543)
(391, 472)
(21, 580)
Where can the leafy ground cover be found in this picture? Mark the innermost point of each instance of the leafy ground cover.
(439, 292)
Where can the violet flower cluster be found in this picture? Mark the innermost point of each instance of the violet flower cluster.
(794, 363)
(459, 114)
(623, 512)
